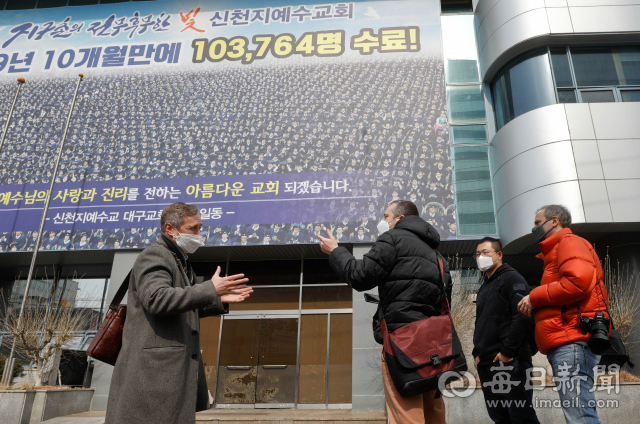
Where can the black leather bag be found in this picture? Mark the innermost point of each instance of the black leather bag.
(617, 353)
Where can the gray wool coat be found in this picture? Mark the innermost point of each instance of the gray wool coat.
(159, 375)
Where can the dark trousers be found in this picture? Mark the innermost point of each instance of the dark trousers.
(506, 402)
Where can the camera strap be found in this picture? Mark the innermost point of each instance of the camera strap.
(595, 282)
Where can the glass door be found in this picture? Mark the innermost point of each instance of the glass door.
(276, 382)
(257, 366)
(238, 365)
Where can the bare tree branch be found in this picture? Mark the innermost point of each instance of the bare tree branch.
(45, 326)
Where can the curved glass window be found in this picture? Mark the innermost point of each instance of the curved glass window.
(523, 85)
(581, 74)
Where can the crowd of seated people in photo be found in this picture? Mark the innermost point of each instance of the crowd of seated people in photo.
(383, 121)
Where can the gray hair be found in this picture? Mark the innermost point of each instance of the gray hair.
(561, 211)
(175, 213)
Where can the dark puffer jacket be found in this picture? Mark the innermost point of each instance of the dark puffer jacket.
(403, 264)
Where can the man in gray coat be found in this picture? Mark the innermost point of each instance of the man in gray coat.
(159, 375)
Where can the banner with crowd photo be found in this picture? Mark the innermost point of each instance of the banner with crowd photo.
(278, 120)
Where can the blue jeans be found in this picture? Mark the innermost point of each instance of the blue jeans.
(573, 372)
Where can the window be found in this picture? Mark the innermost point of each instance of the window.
(594, 66)
(466, 104)
(86, 296)
(469, 134)
(561, 68)
(524, 85)
(603, 66)
(462, 70)
(596, 74)
(456, 6)
(459, 47)
(630, 95)
(597, 96)
(474, 201)
(567, 96)
(585, 74)
(472, 212)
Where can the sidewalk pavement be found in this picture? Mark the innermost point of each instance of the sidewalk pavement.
(92, 417)
(257, 416)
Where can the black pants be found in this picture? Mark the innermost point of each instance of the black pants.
(506, 402)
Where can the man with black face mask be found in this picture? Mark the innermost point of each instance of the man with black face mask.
(499, 340)
(572, 286)
(159, 376)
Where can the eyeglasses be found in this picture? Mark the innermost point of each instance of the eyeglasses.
(484, 252)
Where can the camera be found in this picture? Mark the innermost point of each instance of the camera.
(598, 326)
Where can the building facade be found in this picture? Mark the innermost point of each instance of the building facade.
(521, 103)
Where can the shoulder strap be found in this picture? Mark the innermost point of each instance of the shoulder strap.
(120, 293)
(446, 308)
(592, 287)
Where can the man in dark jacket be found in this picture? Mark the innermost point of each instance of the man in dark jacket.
(403, 265)
(500, 338)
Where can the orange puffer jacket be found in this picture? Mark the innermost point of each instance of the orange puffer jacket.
(572, 274)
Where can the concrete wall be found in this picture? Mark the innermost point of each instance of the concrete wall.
(506, 27)
(584, 156)
(101, 380)
(367, 390)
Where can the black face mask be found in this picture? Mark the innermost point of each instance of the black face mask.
(539, 233)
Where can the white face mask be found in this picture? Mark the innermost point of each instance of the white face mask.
(383, 226)
(189, 243)
(484, 262)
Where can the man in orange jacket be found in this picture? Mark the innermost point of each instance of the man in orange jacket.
(572, 286)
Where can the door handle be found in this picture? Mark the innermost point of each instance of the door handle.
(274, 367)
(239, 368)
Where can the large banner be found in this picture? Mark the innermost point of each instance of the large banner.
(278, 120)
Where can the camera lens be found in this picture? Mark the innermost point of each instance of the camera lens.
(599, 342)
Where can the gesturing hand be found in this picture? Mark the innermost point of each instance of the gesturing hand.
(328, 244)
(232, 284)
(237, 298)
